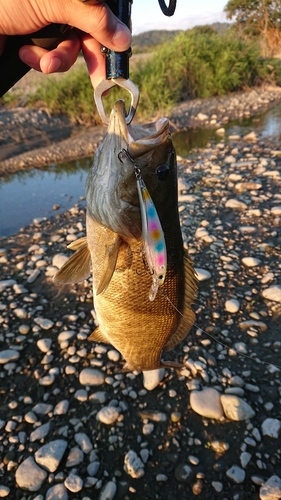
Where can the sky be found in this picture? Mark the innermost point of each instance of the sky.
(147, 15)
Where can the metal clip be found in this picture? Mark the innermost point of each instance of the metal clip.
(126, 84)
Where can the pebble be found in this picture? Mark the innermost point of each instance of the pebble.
(61, 407)
(93, 468)
(44, 344)
(73, 483)
(57, 492)
(108, 492)
(42, 408)
(236, 474)
(75, 457)
(90, 376)
(232, 306)
(44, 323)
(6, 284)
(272, 293)
(29, 476)
(4, 491)
(245, 458)
(207, 403)
(271, 427)
(236, 204)
(84, 442)
(236, 408)
(8, 356)
(40, 432)
(183, 473)
(202, 274)
(251, 261)
(59, 260)
(271, 490)
(108, 415)
(152, 378)
(133, 465)
(50, 455)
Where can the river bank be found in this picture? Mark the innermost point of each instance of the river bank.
(31, 138)
(73, 426)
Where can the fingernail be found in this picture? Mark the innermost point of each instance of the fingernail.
(28, 57)
(54, 65)
(122, 37)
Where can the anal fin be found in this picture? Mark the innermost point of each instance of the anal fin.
(98, 336)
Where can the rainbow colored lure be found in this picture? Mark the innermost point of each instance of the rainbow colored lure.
(153, 237)
(152, 232)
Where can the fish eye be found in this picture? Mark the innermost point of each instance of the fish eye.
(162, 171)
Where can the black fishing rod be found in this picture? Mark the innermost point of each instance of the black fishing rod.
(12, 69)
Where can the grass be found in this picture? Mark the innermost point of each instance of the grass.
(194, 64)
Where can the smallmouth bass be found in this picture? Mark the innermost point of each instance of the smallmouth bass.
(141, 327)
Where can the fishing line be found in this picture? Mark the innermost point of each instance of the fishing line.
(219, 341)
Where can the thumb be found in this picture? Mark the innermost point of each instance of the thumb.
(97, 20)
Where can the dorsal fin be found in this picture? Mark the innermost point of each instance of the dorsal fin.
(77, 268)
(188, 316)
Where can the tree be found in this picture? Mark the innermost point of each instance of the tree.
(258, 17)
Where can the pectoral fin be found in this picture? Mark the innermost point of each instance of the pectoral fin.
(111, 256)
(77, 268)
(188, 316)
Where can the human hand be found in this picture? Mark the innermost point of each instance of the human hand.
(94, 22)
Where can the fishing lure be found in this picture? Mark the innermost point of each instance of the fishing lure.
(152, 233)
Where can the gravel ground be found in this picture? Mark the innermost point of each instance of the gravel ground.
(73, 426)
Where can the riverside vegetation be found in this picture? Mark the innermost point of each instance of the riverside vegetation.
(196, 63)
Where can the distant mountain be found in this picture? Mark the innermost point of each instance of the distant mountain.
(151, 38)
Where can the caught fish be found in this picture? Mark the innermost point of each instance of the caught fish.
(142, 308)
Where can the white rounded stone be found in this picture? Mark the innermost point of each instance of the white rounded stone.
(236, 408)
(206, 403)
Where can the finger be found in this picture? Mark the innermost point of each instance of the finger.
(59, 59)
(97, 20)
(94, 59)
(2, 43)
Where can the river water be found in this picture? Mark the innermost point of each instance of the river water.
(32, 194)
